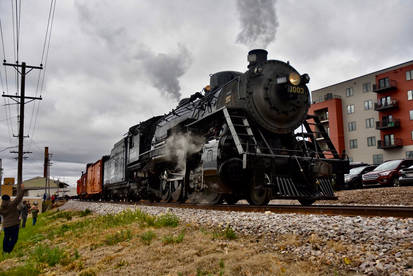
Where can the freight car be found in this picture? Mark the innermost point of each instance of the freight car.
(237, 140)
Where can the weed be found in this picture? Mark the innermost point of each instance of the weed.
(66, 215)
(88, 272)
(27, 270)
(118, 237)
(85, 213)
(168, 239)
(47, 255)
(37, 238)
(121, 263)
(167, 220)
(147, 237)
(228, 233)
(221, 267)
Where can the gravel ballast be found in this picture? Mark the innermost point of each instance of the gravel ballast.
(373, 246)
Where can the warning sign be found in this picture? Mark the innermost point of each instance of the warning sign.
(9, 181)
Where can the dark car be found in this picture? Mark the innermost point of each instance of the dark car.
(386, 174)
(406, 176)
(352, 180)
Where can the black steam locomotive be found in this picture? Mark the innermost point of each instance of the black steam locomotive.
(237, 140)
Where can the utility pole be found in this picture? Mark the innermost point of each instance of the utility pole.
(46, 171)
(22, 102)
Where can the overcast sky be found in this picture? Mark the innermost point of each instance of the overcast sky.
(113, 64)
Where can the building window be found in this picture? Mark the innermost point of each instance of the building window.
(383, 83)
(353, 143)
(371, 141)
(350, 109)
(410, 95)
(370, 123)
(409, 75)
(366, 87)
(411, 114)
(352, 126)
(377, 159)
(385, 101)
(389, 140)
(368, 105)
(349, 91)
(409, 154)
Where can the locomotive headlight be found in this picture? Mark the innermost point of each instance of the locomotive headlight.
(294, 78)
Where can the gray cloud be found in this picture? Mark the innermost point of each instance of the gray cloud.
(164, 70)
(258, 23)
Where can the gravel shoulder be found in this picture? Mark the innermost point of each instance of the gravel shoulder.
(358, 245)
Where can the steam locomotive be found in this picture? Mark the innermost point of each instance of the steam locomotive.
(240, 139)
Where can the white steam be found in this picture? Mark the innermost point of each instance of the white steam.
(180, 145)
(258, 23)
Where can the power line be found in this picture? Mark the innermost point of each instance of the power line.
(47, 35)
(6, 102)
(52, 9)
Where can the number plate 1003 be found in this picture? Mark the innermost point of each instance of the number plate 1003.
(296, 89)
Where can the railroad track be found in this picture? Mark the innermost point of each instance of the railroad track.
(332, 210)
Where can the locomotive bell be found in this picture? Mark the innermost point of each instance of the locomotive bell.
(256, 56)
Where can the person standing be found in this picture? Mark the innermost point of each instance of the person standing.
(11, 221)
(35, 212)
(24, 213)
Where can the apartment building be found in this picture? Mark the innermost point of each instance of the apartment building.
(369, 117)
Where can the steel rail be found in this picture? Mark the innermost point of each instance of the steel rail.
(331, 210)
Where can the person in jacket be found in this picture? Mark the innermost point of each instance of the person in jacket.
(35, 212)
(11, 221)
(24, 213)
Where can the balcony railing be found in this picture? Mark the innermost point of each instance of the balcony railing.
(392, 84)
(326, 97)
(397, 143)
(387, 105)
(394, 123)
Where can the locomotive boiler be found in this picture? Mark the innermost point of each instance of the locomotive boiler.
(247, 136)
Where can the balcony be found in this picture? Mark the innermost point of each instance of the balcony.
(394, 123)
(383, 144)
(391, 85)
(387, 105)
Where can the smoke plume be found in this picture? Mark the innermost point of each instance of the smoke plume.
(258, 22)
(163, 70)
(180, 145)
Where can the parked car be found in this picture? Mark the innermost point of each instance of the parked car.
(353, 180)
(386, 174)
(406, 176)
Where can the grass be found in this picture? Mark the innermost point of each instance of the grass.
(89, 244)
(228, 233)
(52, 227)
(171, 239)
(48, 255)
(120, 236)
(147, 237)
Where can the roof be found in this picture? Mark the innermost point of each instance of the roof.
(372, 73)
(39, 182)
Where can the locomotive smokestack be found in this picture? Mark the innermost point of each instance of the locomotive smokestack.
(256, 56)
